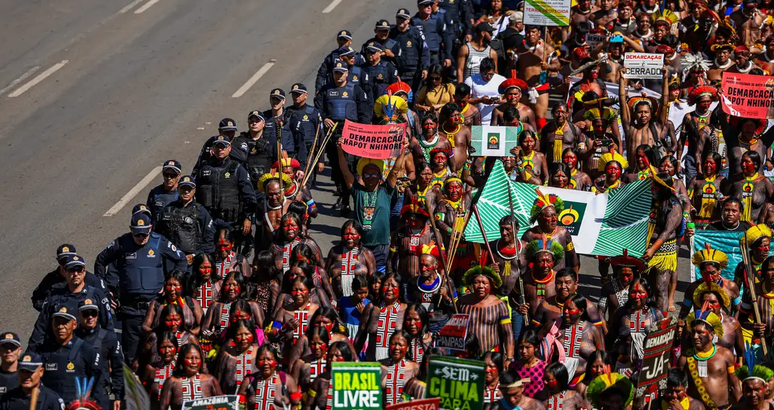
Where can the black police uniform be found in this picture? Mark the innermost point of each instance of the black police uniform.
(305, 122)
(225, 190)
(413, 55)
(377, 78)
(61, 297)
(105, 342)
(325, 72)
(272, 130)
(53, 278)
(189, 227)
(204, 155)
(256, 155)
(8, 381)
(17, 399)
(437, 37)
(460, 14)
(64, 363)
(387, 44)
(158, 199)
(140, 278)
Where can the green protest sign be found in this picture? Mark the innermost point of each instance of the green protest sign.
(356, 386)
(459, 383)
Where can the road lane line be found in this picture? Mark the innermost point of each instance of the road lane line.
(24, 76)
(331, 6)
(134, 191)
(146, 6)
(130, 6)
(254, 79)
(42, 76)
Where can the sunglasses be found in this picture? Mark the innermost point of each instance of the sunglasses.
(76, 270)
(89, 313)
(170, 175)
(140, 235)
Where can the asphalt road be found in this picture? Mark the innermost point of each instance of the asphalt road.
(95, 95)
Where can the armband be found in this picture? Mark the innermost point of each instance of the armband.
(505, 320)
(312, 393)
(310, 203)
(687, 303)
(570, 247)
(731, 369)
(295, 396)
(737, 301)
(393, 250)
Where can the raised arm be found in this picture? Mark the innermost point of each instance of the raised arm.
(349, 179)
(623, 97)
(664, 114)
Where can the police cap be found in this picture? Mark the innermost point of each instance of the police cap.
(227, 124)
(186, 180)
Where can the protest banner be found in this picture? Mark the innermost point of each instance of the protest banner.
(372, 141)
(748, 96)
(493, 141)
(547, 13)
(656, 358)
(603, 224)
(459, 383)
(643, 65)
(593, 39)
(725, 241)
(230, 402)
(425, 404)
(356, 386)
(454, 332)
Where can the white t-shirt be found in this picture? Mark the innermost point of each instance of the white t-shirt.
(479, 88)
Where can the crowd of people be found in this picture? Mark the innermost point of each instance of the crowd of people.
(220, 288)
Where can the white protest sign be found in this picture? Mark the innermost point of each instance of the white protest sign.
(643, 65)
(547, 12)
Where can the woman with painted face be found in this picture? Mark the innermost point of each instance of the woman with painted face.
(293, 319)
(615, 292)
(559, 176)
(630, 325)
(171, 320)
(265, 286)
(187, 381)
(218, 315)
(704, 191)
(290, 236)
(382, 320)
(396, 368)
(440, 166)
(300, 269)
(612, 166)
(320, 394)
(493, 362)
(343, 257)
(305, 253)
(529, 365)
(645, 160)
(596, 365)
(430, 139)
(204, 286)
(417, 328)
(237, 359)
(173, 295)
(351, 307)
(561, 397)
(579, 179)
(226, 256)
(157, 372)
(423, 191)
(753, 188)
(409, 243)
(269, 388)
(532, 162)
(305, 371)
(324, 318)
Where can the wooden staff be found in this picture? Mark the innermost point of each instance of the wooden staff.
(310, 155)
(320, 150)
(442, 252)
(513, 228)
(278, 124)
(483, 233)
(34, 398)
(750, 283)
(455, 240)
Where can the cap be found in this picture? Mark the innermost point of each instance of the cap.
(516, 17)
(423, 2)
(73, 261)
(63, 250)
(186, 180)
(340, 66)
(175, 165)
(345, 34)
(256, 113)
(87, 304)
(141, 223)
(374, 47)
(382, 25)
(298, 88)
(403, 13)
(141, 208)
(63, 312)
(30, 362)
(484, 26)
(345, 51)
(277, 92)
(10, 337)
(227, 124)
(221, 140)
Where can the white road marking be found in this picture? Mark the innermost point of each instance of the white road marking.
(331, 6)
(146, 6)
(254, 79)
(29, 72)
(130, 6)
(134, 191)
(42, 76)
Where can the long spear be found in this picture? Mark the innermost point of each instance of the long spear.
(310, 155)
(278, 124)
(515, 232)
(442, 252)
(320, 150)
(750, 282)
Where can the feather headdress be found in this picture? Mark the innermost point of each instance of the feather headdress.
(542, 202)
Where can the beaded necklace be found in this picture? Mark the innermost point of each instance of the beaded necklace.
(540, 284)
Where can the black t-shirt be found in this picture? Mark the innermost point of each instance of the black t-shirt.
(718, 226)
(8, 381)
(16, 399)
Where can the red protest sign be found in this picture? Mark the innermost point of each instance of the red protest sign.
(372, 141)
(454, 332)
(425, 404)
(748, 96)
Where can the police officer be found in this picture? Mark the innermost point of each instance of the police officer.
(433, 26)
(337, 102)
(226, 191)
(304, 121)
(276, 125)
(59, 275)
(166, 193)
(343, 38)
(10, 349)
(413, 58)
(379, 74)
(347, 54)
(105, 342)
(382, 36)
(226, 127)
(139, 257)
(460, 13)
(256, 149)
(67, 357)
(69, 295)
(29, 376)
(186, 223)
